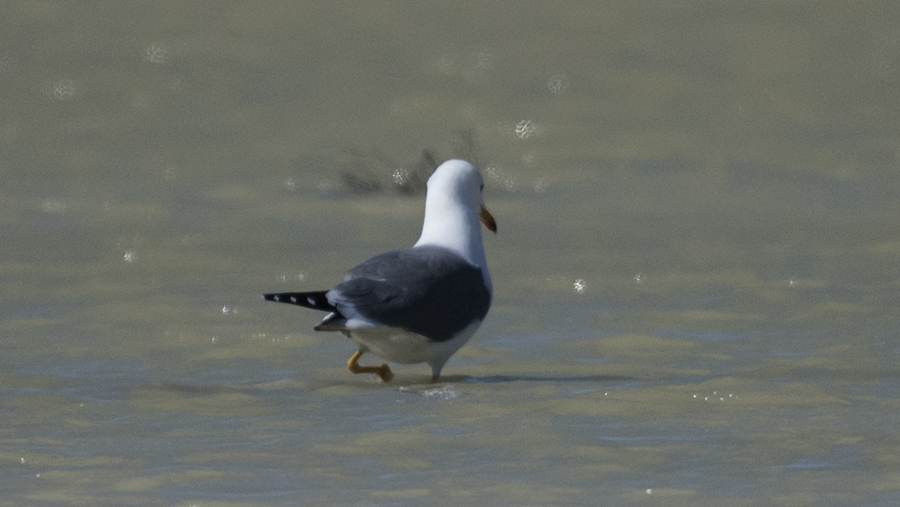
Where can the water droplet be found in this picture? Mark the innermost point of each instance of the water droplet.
(156, 53)
(64, 90)
(524, 129)
(557, 84)
(53, 206)
(579, 286)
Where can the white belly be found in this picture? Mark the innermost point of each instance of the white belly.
(403, 347)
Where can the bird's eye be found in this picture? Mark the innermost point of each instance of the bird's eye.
(481, 187)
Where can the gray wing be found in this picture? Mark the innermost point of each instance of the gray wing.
(427, 290)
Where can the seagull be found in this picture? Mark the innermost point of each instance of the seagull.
(422, 304)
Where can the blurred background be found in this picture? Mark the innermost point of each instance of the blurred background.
(696, 270)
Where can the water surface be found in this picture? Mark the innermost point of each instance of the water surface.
(695, 275)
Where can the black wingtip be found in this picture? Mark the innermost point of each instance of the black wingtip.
(281, 297)
(315, 300)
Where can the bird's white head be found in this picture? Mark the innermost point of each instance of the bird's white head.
(454, 206)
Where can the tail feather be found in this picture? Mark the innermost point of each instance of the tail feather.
(315, 300)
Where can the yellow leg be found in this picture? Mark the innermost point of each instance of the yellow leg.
(383, 371)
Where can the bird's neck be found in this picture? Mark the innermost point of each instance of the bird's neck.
(456, 227)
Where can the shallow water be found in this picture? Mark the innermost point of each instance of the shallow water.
(695, 274)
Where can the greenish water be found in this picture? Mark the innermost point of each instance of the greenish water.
(696, 270)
